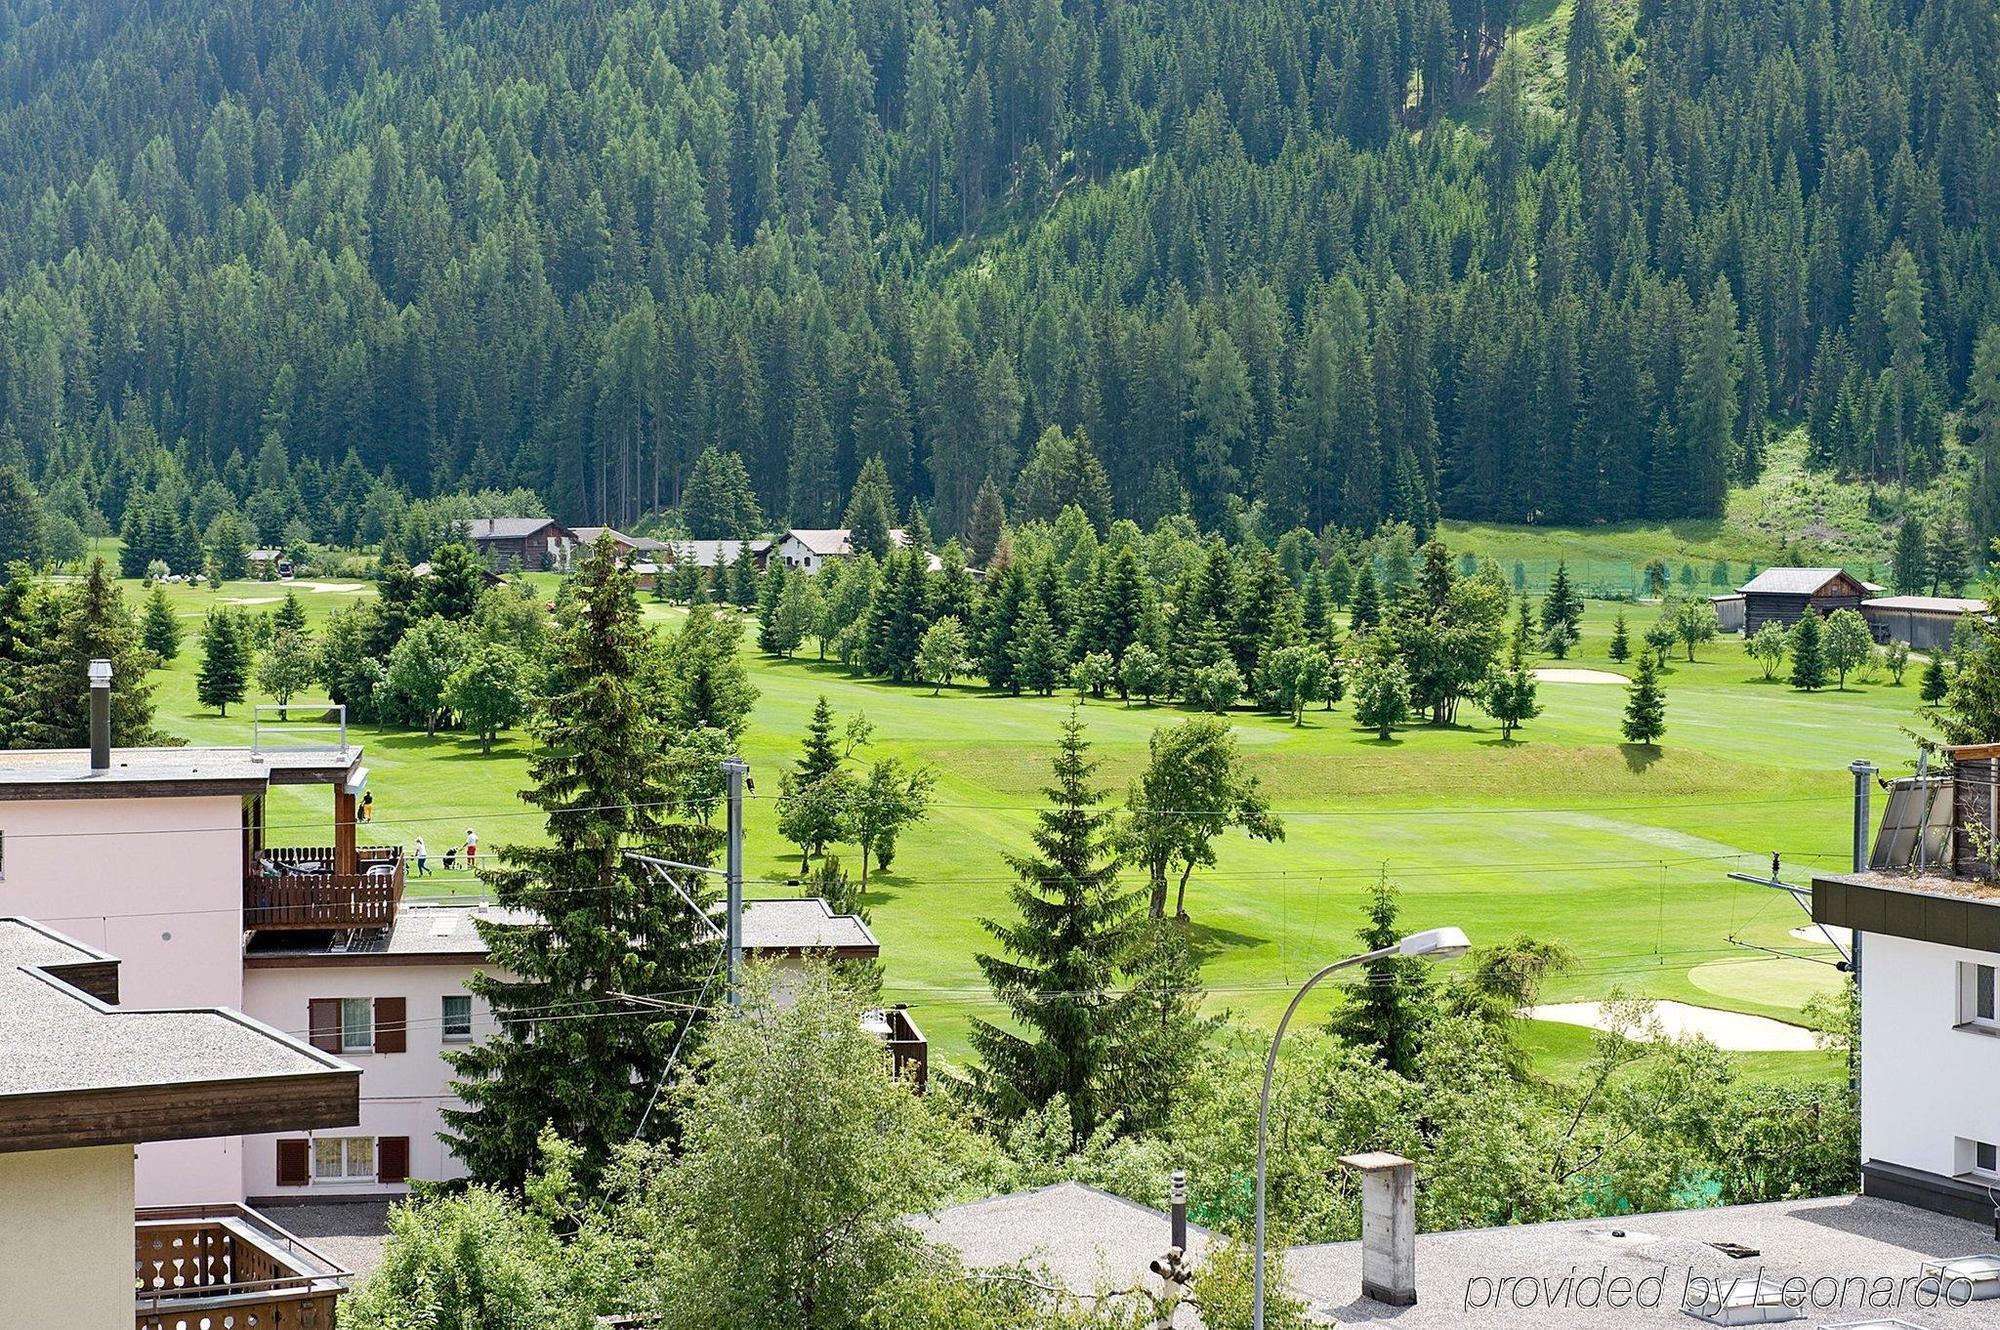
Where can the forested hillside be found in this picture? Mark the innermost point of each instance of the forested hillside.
(1239, 249)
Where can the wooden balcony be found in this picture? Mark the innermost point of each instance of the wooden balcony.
(299, 888)
(196, 1267)
(909, 1051)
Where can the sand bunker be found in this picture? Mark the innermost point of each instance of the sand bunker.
(1579, 676)
(1731, 1030)
(1814, 933)
(250, 600)
(336, 588)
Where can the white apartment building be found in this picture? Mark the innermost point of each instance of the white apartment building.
(1926, 921)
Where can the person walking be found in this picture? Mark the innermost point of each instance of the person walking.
(471, 848)
(367, 813)
(423, 859)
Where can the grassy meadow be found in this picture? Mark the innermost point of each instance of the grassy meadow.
(1565, 832)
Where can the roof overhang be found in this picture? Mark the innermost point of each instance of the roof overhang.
(1868, 904)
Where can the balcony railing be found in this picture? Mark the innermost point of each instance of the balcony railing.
(909, 1051)
(195, 1267)
(298, 888)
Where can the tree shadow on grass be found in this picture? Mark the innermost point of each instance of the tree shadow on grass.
(1640, 757)
(1207, 941)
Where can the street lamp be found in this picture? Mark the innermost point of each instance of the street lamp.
(1438, 944)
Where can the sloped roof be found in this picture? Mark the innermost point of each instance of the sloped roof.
(587, 535)
(1798, 581)
(509, 528)
(1928, 604)
(822, 540)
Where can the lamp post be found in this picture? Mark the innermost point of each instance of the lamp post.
(1436, 944)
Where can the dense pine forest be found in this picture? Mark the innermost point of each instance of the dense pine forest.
(1269, 263)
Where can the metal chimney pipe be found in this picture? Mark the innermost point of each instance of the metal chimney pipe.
(100, 715)
(1177, 1206)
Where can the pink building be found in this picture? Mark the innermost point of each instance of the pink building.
(83, 1079)
(217, 888)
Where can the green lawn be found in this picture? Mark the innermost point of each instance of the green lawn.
(1566, 833)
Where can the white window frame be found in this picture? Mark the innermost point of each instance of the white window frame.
(355, 1151)
(1970, 1017)
(456, 1032)
(367, 1007)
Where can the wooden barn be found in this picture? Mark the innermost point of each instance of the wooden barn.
(535, 544)
(1782, 595)
(1924, 622)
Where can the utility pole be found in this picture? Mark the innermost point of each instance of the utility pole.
(1864, 778)
(736, 769)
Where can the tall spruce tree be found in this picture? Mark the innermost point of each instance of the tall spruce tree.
(1367, 607)
(1645, 705)
(1384, 1010)
(160, 629)
(571, 1052)
(1057, 976)
(1808, 643)
(224, 676)
(21, 520)
(871, 510)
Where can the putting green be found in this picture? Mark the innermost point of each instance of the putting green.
(1778, 982)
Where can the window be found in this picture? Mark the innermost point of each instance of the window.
(1976, 1004)
(344, 1159)
(1978, 1158)
(357, 1025)
(458, 1016)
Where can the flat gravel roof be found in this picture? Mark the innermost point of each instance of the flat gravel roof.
(53, 1040)
(1852, 1260)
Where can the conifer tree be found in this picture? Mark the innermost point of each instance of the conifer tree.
(1034, 652)
(224, 675)
(1808, 643)
(570, 1053)
(871, 510)
(988, 520)
(289, 617)
(1367, 609)
(742, 576)
(1509, 695)
(815, 794)
(770, 592)
(160, 630)
(1620, 646)
(1562, 609)
(21, 519)
(1060, 956)
(1385, 1009)
(54, 634)
(1909, 569)
(1935, 682)
(1645, 705)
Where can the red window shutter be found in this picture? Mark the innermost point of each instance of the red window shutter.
(294, 1163)
(391, 1025)
(392, 1159)
(323, 1020)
